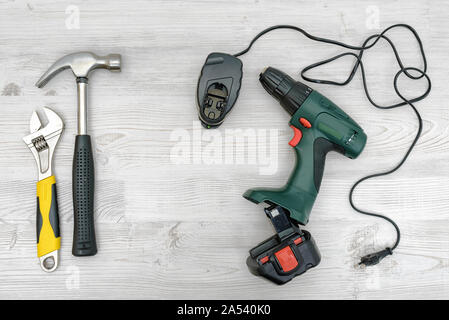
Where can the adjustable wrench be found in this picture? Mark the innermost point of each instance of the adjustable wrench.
(42, 143)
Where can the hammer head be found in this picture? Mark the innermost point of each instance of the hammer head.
(81, 64)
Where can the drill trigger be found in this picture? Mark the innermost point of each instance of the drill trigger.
(296, 137)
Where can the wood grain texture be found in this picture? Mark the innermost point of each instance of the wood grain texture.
(169, 230)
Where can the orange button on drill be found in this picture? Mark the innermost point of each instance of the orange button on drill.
(297, 136)
(305, 123)
(286, 259)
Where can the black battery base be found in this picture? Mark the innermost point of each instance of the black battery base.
(281, 261)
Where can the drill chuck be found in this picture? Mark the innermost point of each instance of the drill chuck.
(279, 85)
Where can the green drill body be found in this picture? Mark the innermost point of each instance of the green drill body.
(320, 126)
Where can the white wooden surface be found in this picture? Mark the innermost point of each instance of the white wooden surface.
(168, 230)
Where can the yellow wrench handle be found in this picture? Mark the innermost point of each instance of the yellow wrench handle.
(47, 223)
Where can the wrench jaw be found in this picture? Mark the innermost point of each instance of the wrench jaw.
(35, 122)
(42, 141)
(50, 261)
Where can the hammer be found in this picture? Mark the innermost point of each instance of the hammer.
(81, 64)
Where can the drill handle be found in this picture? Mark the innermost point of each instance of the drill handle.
(311, 154)
(299, 194)
(321, 147)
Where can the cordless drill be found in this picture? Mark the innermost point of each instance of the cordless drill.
(319, 126)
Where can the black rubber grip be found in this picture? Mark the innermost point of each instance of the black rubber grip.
(84, 243)
(321, 147)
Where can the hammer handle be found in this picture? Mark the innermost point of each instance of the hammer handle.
(84, 243)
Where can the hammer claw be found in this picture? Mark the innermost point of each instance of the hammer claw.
(81, 64)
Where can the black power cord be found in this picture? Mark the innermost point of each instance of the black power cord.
(371, 41)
